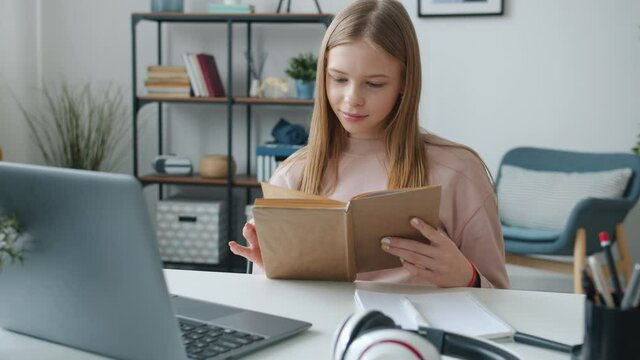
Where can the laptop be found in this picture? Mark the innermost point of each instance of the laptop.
(93, 279)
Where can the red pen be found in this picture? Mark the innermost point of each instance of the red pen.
(606, 245)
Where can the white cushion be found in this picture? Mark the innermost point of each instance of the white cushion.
(545, 199)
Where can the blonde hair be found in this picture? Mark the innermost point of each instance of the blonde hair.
(384, 24)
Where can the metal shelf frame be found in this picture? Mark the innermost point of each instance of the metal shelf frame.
(138, 102)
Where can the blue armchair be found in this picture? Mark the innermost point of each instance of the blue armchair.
(579, 236)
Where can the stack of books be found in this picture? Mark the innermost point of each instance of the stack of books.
(230, 8)
(204, 75)
(270, 156)
(167, 81)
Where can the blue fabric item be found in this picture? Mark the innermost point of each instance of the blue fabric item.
(526, 234)
(594, 215)
(551, 195)
(287, 133)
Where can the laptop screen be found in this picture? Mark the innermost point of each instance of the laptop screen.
(92, 277)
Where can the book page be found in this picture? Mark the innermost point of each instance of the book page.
(270, 191)
(458, 312)
(389, 304)
(377, 193)
(462, 313)
(301, 203)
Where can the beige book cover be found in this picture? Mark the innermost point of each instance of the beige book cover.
(309, 237)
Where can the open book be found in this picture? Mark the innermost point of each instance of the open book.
(311, 237)
(458, 312)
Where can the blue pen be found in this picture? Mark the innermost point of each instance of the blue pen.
(606, 245)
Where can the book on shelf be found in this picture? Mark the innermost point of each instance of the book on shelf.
(167, 79)
(204, 75)
(210, 74)
(166, 68)
(167, 76)
(199, 75)
(310, 237)
(230, 8)
(168, 95)
(169, 89)
(193, 75)
(270, 156)
(167, 82)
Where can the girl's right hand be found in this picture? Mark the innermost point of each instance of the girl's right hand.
(252, 251)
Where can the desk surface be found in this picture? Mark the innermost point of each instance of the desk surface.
(326, 304)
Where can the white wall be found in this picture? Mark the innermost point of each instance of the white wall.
(561, 74)
(18, 75)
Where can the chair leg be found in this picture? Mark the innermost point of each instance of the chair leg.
(625, 260)
(579, 259)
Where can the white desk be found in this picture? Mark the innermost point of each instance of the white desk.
(326, 304)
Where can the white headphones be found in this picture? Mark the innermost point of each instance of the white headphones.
(372, 335)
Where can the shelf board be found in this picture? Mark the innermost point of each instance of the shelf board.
(193, 99)
(239, 17)
(204, 267)
(196, 179)
(145, 99)
(272, 101)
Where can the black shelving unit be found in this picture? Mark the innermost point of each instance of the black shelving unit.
(238, 181)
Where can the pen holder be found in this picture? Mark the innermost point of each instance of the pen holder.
(609, 333)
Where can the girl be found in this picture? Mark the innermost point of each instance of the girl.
(365, 136)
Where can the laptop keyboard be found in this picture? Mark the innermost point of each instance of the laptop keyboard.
(204, 341)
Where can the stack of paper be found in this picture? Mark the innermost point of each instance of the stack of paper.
(456, 312)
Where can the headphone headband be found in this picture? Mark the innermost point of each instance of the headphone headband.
(465, 347)
(364, 331)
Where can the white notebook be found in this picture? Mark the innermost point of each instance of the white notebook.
(457, 312)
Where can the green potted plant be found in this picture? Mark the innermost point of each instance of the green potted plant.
(79, 129)
(11, 245)
(302, 69)
(636, 150)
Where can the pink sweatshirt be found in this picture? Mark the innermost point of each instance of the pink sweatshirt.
(468, 208)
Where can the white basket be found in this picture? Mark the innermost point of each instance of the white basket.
(192, 231)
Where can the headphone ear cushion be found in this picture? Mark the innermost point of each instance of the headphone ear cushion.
(391, 344)
(354, 326)
(373, 320)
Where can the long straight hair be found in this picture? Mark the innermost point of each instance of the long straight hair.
(386, 25)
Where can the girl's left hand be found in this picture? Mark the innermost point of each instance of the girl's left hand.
(440, 263)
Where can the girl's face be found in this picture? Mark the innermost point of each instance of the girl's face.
(363, 85)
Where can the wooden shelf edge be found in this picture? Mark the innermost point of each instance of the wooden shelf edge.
(239, 180)
(311, 16)
(224, 100)
(204, 267)
(191, 99)
(273, 101)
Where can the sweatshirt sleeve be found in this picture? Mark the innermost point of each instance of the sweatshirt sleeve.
(481, 242)
(469, 211)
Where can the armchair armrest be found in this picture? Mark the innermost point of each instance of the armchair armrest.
(595, 215)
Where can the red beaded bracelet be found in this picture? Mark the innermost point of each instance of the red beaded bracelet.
(474, 277)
